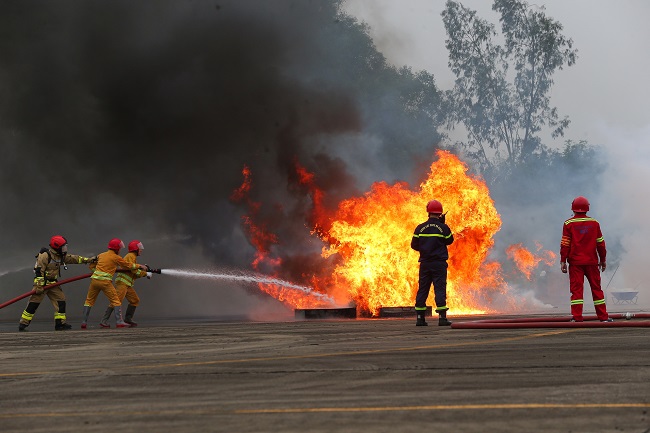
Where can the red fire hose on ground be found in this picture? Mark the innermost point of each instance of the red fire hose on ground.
(556, 322)
(49, 286)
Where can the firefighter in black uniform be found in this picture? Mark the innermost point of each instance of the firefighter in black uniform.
(431, 239)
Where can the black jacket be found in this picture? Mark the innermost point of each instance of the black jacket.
(431, 239)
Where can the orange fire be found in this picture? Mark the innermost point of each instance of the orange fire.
(367, 257)
(374, 233)
(526, 261)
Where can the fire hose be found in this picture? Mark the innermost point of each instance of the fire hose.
(49, 286)
(556, 322)
(58, 283)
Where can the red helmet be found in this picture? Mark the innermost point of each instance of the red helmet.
(135, 246)
(434, 206)
(57, 242)
(115, 244)
(580, 204)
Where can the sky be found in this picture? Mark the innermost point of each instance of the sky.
(605, 94)
(604, 91)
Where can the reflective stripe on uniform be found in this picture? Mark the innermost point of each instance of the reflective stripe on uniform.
(100, 275)
(442, 308)
(599, 302)
(600, 239)
(573, 220)
(432, 235)
(27, 316)
(124, 278)
(40, 281)
(420, 308)
(577, 302)
(59, 316)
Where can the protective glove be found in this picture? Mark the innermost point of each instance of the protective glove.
(39, 290)
(92, 259)
(563, 267)
(603, 266)
(149, 275)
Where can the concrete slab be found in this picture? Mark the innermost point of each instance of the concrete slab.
(375, 375)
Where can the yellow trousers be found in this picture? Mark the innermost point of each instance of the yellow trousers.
(105, 286)
(124, 291)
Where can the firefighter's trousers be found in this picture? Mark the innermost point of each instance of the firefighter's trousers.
(124, 291)
(432, 273)
(105, 286)
(577, 274)
(57, 298)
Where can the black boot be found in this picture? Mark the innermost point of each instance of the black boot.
(442, 319)
(22, 327)
(128, 316)
(420, 321)
(59, 326)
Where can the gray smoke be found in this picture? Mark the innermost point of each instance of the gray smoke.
(134, 120)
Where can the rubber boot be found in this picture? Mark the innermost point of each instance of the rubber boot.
(420, 321)
(128, 316)
(107, 316)
(120, 323)
(22, 327)
(86, 313)
(442, 319)
(60, 326)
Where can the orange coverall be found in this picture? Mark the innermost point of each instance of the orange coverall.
(102, 278)
(124, 281)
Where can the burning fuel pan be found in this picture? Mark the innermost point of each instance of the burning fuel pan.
(401, 311)
(326, 313)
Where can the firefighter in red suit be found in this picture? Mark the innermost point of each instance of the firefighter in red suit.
(583, 247)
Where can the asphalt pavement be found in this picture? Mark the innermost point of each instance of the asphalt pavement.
(344, 375)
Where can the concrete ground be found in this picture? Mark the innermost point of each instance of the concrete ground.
(375, 375)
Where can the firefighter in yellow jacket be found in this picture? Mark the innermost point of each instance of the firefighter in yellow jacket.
(102, 281)
(46, 271)
(124, 286)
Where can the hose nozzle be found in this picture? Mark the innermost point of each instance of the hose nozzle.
(153, 271)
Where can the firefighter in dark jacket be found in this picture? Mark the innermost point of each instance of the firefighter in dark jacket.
(46, 271)
(583, 247)
(431, 239)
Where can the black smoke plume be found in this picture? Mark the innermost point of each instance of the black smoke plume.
(134, 120)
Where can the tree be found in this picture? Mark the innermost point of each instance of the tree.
(503, 111)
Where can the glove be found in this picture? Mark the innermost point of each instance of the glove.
(442, 217)
(563, 267)
(39, 290)
(92, 259)
(603, 266)
(148, 275)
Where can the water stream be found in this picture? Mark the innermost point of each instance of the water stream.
(248, 278)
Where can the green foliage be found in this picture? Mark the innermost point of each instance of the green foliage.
(501, 92)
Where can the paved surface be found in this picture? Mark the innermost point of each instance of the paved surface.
(381, 375)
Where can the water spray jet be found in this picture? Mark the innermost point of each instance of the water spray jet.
(250, 278)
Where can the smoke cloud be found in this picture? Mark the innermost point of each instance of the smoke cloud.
(135, 119)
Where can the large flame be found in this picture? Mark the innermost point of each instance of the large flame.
(370, 238)
(373, 235)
